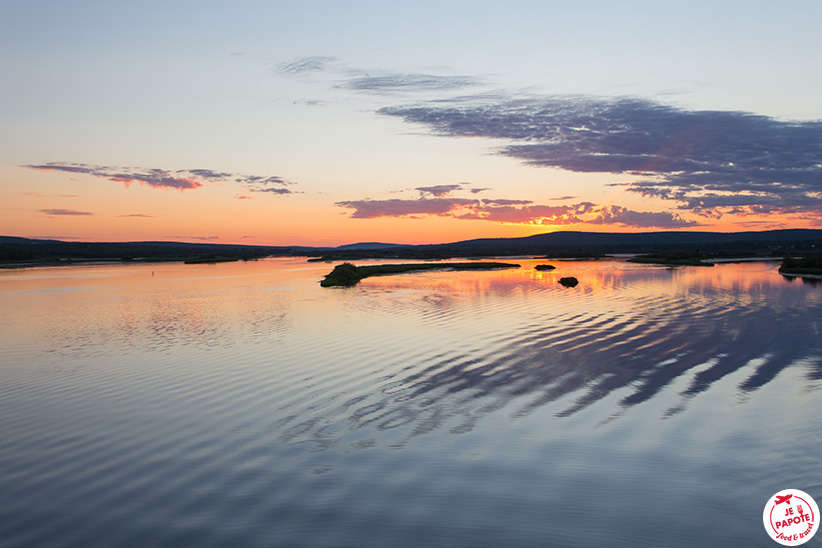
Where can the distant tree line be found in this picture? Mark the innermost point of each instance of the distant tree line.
(809, 264)
(56, 252)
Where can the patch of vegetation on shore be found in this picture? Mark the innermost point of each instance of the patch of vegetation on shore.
(347, 274)
(55, 253)
(809, 264)
(674, 258)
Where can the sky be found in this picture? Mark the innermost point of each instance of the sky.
(327, 123)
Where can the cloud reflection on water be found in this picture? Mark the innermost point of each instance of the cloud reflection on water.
(623, 334)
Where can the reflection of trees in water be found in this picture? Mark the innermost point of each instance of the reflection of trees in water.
(810, 280)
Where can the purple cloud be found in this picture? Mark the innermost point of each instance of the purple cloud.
(708, 162)
(391, 83)
(69, 212)
(370, 209)
(272, 190)
(439, 191)
(515, 212)
(184, 179)
(616, 215)
(157, 178)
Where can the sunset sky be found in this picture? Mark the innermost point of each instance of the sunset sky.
(325, 123)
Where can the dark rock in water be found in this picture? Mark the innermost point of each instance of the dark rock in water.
(544, 267)
(570, 281)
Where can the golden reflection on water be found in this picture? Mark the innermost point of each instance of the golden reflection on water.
(501, 332)
(68, 308)
(624, 327)
(595, 276)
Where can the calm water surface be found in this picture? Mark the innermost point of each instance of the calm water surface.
(241, 404)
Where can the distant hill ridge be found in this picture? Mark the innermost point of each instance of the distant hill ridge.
(556, 243)
(566, 238)
(368, 245)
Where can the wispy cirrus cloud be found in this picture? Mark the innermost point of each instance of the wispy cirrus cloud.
(398, 207)
(64, 212)
(404, 82)
(707, 162)
(157, 178)
(514, 212)
(438, 190)
(41, 195)
(272, 190)
(374, 81)
(305, 65)
(201, 238)
(184, 179)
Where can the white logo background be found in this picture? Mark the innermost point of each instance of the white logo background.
(791, 517)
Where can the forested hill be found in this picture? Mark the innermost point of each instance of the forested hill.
(613, 242)
(570, 244)
(23, 250)
(557, 244)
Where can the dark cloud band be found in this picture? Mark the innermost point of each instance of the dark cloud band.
(709, 162)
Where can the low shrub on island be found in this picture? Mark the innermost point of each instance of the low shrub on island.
(347, 274)
(544, 267)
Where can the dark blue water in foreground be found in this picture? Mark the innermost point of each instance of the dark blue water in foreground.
(243, 405)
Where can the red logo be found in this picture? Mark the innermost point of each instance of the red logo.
(791, 517)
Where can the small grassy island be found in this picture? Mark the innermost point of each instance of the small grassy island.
(808, 265)
(543, 267)
(347, 275)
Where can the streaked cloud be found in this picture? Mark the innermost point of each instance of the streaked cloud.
(514, 212)
(438, 190)
(397, 207)
(305, 65)
(404, 82)
(157, 178)
(708, 162)
(616, 215)
(41, 195)
(201, 238)
(62, 212)
(373, 80)
(139, 215)
(184, 179)
(272, 190)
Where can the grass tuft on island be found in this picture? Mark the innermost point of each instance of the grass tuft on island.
(347, 274)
